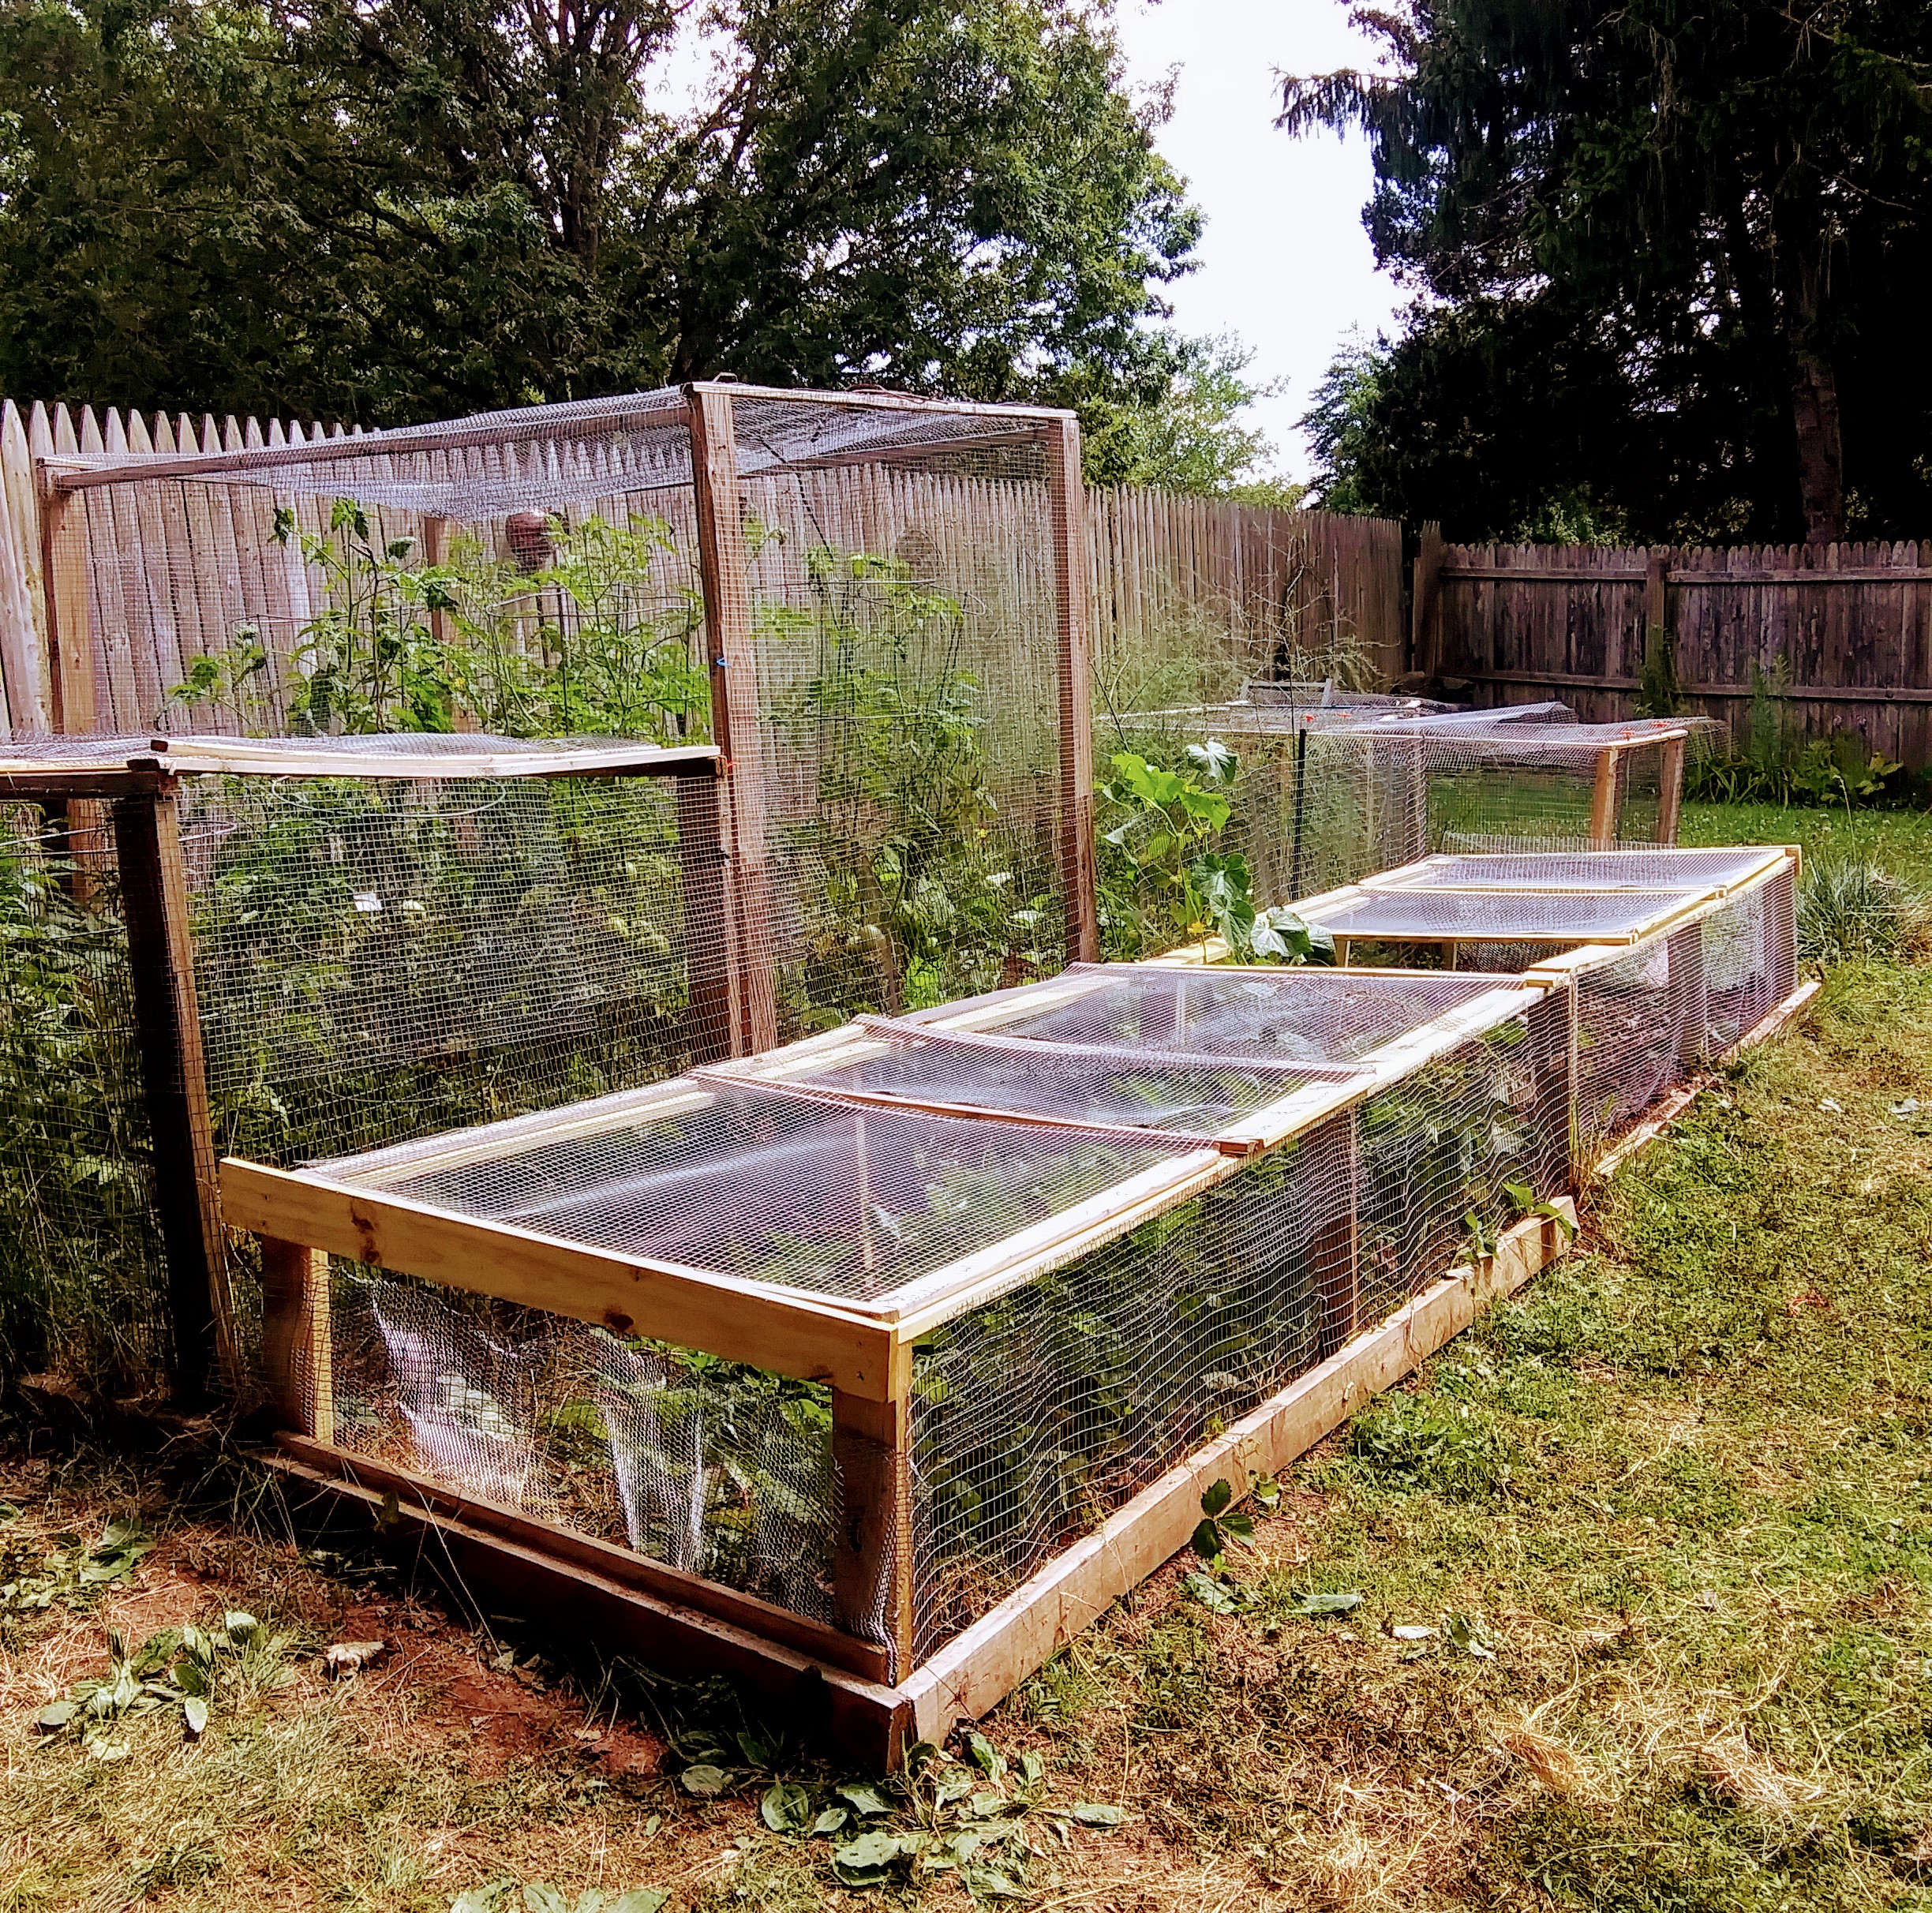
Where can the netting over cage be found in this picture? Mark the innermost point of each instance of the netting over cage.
(379, 937)
(862, 599)
(1099, 1251)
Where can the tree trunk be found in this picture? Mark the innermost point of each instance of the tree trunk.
(1821, 446)
(1802, 239)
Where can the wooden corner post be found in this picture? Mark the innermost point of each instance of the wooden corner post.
(746, 938)
(872, 1550)
(1067, 511)
(296, 1366)
(1603, 795)
(154, 901)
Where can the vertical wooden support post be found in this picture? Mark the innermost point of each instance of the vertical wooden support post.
(70, 621)
(1552, 1061)
(1781, 932)
(1670, 788)
(872, 1550)
(154, 900)
(735, 728)
(1685, 955)
(1066, 505)
(1603, 825)
(296, 1364)
(710, 936)
(1425, 631)
(1328, 1164)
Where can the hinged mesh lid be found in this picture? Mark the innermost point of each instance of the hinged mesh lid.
(1310, 1019)
(1515, 916)
(1192, 1093)
(851, 1201)
(1600, 871)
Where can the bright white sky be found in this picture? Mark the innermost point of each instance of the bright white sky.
(1284, 261)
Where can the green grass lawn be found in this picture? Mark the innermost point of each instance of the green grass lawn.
(1663, 1523)
(1900, 841)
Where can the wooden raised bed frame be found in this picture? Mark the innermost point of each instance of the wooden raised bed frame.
(627, 1604)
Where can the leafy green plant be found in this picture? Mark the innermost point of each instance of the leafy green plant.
(1220, 1524)
(1164, 859)
(70, 1575)
(591, 643)
(922, 888)
(185, 1669)
(979, 1821)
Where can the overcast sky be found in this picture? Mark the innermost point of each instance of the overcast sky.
(1284, 261)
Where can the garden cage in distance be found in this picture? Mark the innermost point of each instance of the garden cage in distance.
(218, 944)
(1676, 955)
(1327, 794)
(844, 1345)
(875, 606)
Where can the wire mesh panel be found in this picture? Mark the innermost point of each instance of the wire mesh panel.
(1293, 1017)
(1195, 1093)
(1750, 959)
(1381, 796)
(904, 618)
(378, 959)
(1658, 868)
(1649, 1017)
(793, 1191)
(714, 1467)
(1465, 1138)
(83, 1282)
(1035, 1417)
(1640, 1030)
(1528, 917)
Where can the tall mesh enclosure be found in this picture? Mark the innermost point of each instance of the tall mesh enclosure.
(875, 607)
(368, 956)
(1097, 1255)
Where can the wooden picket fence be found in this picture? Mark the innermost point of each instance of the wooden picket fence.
(170, 581)
(1843, 631)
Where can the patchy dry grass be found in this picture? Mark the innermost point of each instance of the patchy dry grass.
(1668, 1517)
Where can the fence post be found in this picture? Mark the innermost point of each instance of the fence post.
(734, 726)
(1067, 508)
(154, 902)
(1603, 795)
(1424, 637)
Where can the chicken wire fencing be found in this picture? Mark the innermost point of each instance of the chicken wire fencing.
(880, 606)
(373, 958)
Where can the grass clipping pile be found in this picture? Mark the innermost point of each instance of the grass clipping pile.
(1624, 1603)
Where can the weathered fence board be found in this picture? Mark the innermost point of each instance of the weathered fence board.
(171, 579)
(1851, 625)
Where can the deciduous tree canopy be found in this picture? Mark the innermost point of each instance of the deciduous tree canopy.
(392, 211)
(1672, 256)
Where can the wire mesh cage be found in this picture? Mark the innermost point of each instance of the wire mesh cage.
(1080, 1297)
(864, 600)
(224, 949)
